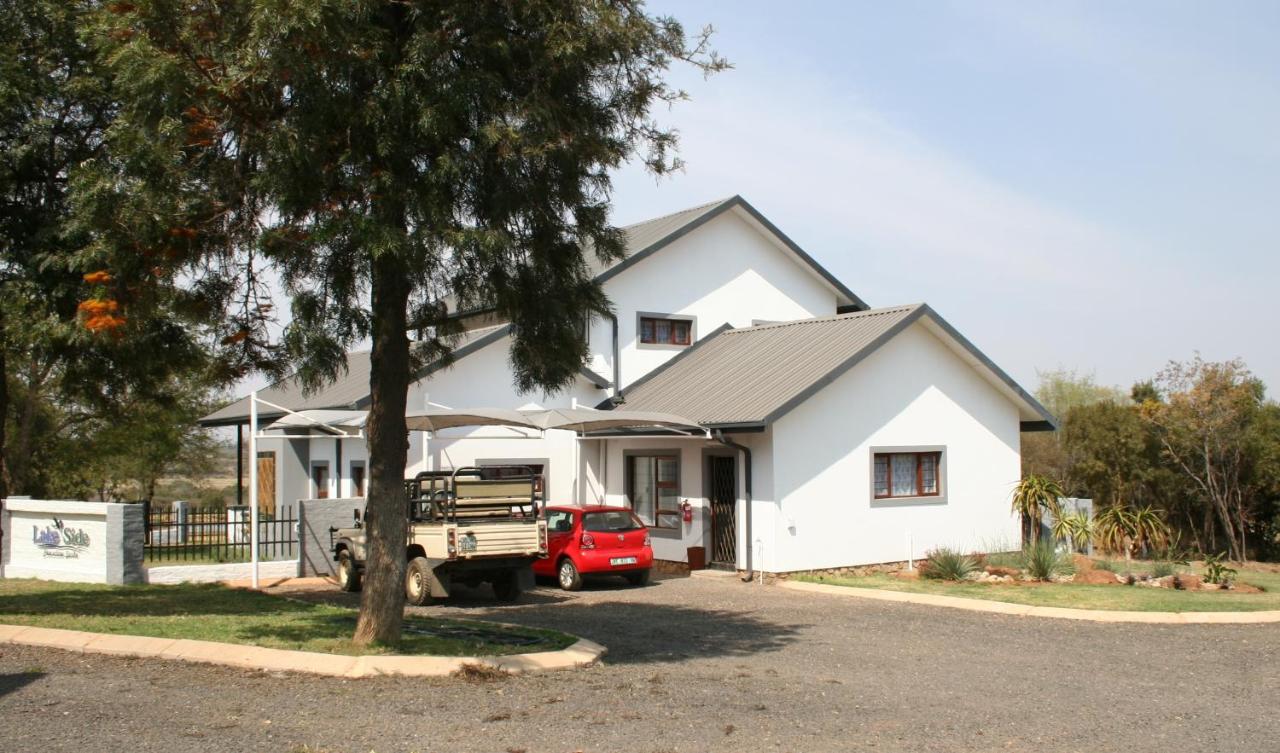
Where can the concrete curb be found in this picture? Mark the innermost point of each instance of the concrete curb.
(580, 654)
(1026, 610)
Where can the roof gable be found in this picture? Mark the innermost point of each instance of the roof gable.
(756, 375)
(644, 239)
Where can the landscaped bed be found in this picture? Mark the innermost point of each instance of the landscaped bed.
(1259, 591)
(216, 613)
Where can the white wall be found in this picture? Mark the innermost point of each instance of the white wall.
(914, 391)
(724, 271)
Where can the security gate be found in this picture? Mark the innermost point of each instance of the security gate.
(723, 471)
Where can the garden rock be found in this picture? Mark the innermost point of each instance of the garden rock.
(1187, 582)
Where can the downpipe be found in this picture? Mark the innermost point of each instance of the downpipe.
(746, 461)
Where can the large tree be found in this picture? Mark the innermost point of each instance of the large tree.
(382, 159)
(65, 353)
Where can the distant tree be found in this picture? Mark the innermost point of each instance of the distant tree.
(1203, 427)
(1061, 390)
(379, 157)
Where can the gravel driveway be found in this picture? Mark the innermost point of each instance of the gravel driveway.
(699, 664)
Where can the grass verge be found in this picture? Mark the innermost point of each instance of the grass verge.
(1082, 596)
(211, 612)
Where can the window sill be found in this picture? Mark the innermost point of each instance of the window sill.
(939, 499)
(666, 533)
(661, 346)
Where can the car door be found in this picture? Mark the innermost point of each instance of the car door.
(559, 535)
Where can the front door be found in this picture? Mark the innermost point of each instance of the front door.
(723, 472)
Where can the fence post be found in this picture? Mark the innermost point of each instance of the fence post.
(237, 524)
(181, 510)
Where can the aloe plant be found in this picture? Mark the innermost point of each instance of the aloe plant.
(1031, 498)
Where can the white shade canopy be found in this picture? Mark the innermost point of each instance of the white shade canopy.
(435, 419)
(324, 422)
(585, 420)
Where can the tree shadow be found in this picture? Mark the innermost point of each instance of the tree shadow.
(15, 681)
(653, 632)
(142, 601)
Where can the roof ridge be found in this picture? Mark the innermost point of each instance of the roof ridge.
(832, 318)
(717, 202)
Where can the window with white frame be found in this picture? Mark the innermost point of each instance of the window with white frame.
(653, 488)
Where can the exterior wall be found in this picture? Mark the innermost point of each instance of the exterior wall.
(315, 518)
(85, 542)
(670, 544)
(218, 573)
(725, 271)
(913, 392)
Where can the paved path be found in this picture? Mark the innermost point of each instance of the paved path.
(702, 665)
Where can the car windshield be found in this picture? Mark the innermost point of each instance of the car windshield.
(622, 520)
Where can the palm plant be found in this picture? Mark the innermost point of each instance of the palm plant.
(1031, 498)
(1123, 529)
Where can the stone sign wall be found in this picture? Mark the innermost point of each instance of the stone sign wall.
(88, 542)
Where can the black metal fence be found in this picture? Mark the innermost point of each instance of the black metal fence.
(204, 535)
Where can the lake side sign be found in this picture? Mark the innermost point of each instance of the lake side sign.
(60, 540)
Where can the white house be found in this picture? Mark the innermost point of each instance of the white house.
(838, 434)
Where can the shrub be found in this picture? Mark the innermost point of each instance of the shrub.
(1216, 569)
(1162, 568)
(947, 564)
(1042, 560)
(1110, 566)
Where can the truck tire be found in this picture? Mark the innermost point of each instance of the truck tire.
(568, 576)
(417, 582)
(638, 578)
(348, 573)
(507, 588)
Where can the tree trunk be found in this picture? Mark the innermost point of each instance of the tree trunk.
(4, 411)
(386, 516)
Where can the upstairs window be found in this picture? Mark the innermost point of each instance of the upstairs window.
(907, 474)
(660, 331)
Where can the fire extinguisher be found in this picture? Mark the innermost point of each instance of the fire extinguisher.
(686, 511)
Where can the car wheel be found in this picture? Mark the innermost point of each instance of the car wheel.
(417, 582)
(638, 578)
(507, 588)
(568, 575)
(348, 573)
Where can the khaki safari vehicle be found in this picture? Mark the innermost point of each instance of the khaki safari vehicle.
(468, 526)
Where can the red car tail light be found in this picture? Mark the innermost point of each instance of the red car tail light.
(646, 539)
(587, 541)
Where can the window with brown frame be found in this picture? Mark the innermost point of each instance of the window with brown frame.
(357, 479)
(907, 474)
(658, 331)
(320, 480)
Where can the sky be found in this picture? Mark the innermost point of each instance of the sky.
(1092, 186)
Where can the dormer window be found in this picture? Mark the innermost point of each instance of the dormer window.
(666, 330)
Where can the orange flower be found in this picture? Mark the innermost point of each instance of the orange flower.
(99, 307)
(101, 277)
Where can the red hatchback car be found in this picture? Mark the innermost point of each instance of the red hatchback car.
(595, 540)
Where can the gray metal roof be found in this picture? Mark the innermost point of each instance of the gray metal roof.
(350, 391)
(754, 376)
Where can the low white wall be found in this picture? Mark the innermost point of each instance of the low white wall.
(216, 573)
(86, 542)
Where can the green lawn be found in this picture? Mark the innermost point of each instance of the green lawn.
(216, 613)
(1080, 596)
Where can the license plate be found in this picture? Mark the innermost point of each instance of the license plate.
(467, 544)
(622, 561)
